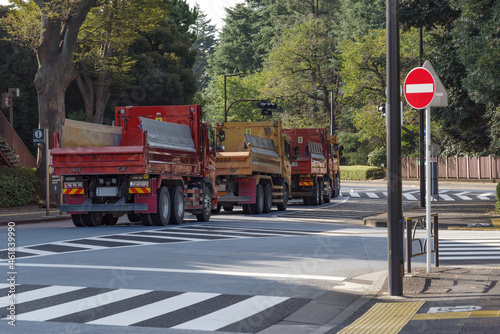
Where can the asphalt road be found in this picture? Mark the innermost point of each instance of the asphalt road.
(238, 273)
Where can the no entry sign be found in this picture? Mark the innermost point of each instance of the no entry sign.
(419, 88)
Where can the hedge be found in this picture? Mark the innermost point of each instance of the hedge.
(18, 186)
(497, 204)
(361, 173)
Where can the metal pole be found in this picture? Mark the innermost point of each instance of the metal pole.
(332, 121)
(422, 156)
(421, 129)
(225, 99)
(47, 175)
(394, 181)
(428, 178)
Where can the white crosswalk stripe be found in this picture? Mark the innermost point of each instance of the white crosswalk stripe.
(231, 314)
(471, 249)
(149, 308)
(444, 195)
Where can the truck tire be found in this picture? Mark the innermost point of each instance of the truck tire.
(162, 216)
(258, 207)
(92, 219)
(78, 220)
(217, 209)
(336, 192)
(178, 205)
(145, 221)
(268, 199)
(326, 198)
(246, 209)
(133, 217)
(228, 208)
(286, 193)
(206, 209)
(109, 219)
(314, 200)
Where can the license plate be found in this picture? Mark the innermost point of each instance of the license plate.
(107, 191)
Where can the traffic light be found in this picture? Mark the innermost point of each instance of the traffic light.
(6, 100)
(381, 108)
(265, 106)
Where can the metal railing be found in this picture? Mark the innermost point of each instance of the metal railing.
(411, 226)
(15, 143)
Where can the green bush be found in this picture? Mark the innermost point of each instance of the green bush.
(18, 186)
(361, 173)
(377, 157)
(497, 205)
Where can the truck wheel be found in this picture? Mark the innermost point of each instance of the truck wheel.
(92, 219)
(228, 208)
(206, 210)
(246, 209)
(217, 209)
(283, 206)
(320, 193)
(109, 219)
(336, 192)
(133, 217)
(326, 198)
(268, 198)
(162, 217)
(316, 194)
(258, 207)
(307, 200)
(178, 205)
(145, 221)
(78, 220)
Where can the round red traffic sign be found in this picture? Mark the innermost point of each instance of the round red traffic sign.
(419, 88)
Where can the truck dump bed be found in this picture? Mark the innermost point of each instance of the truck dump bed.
(140, 145)
(250, 148)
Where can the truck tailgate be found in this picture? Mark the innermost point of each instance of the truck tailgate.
(99, 160)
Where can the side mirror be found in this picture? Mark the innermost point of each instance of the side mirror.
(335, 147)
(222, 135)
(296, 150)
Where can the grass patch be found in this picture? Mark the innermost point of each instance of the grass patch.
(361, 173)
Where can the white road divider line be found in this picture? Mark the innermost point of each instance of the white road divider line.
(185, 271)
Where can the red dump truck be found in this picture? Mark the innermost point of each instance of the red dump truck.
(315, 165)
(154, 165)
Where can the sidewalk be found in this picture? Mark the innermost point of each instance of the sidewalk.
(30, 214)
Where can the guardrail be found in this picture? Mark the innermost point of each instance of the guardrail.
(411, 226)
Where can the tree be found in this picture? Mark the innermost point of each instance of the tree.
(102, 45)
(303, 70)
(204, 45)
(58, 35)
(164, 59)
(360, 16)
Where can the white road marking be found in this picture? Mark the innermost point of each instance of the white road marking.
(185, 271)
(372, 195)
(79, 305)
(49, 291)
(409, 197)
(462, 196)
(484, 196)
(232, 314)
(155, 309)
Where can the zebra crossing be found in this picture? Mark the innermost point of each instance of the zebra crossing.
(148, 308)
(192, 233)
(444, 195)
(471, 249)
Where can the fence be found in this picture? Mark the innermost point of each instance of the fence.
(456, 167)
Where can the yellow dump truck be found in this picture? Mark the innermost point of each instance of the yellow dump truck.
(253, 166)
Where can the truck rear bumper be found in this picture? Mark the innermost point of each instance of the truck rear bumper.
(301, 194)
(232, 198)
(120, 206)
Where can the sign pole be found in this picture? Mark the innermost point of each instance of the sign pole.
(394, 181)
(47, 175)
(428, 179)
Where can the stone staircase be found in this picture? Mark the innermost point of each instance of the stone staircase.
(7, 156)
